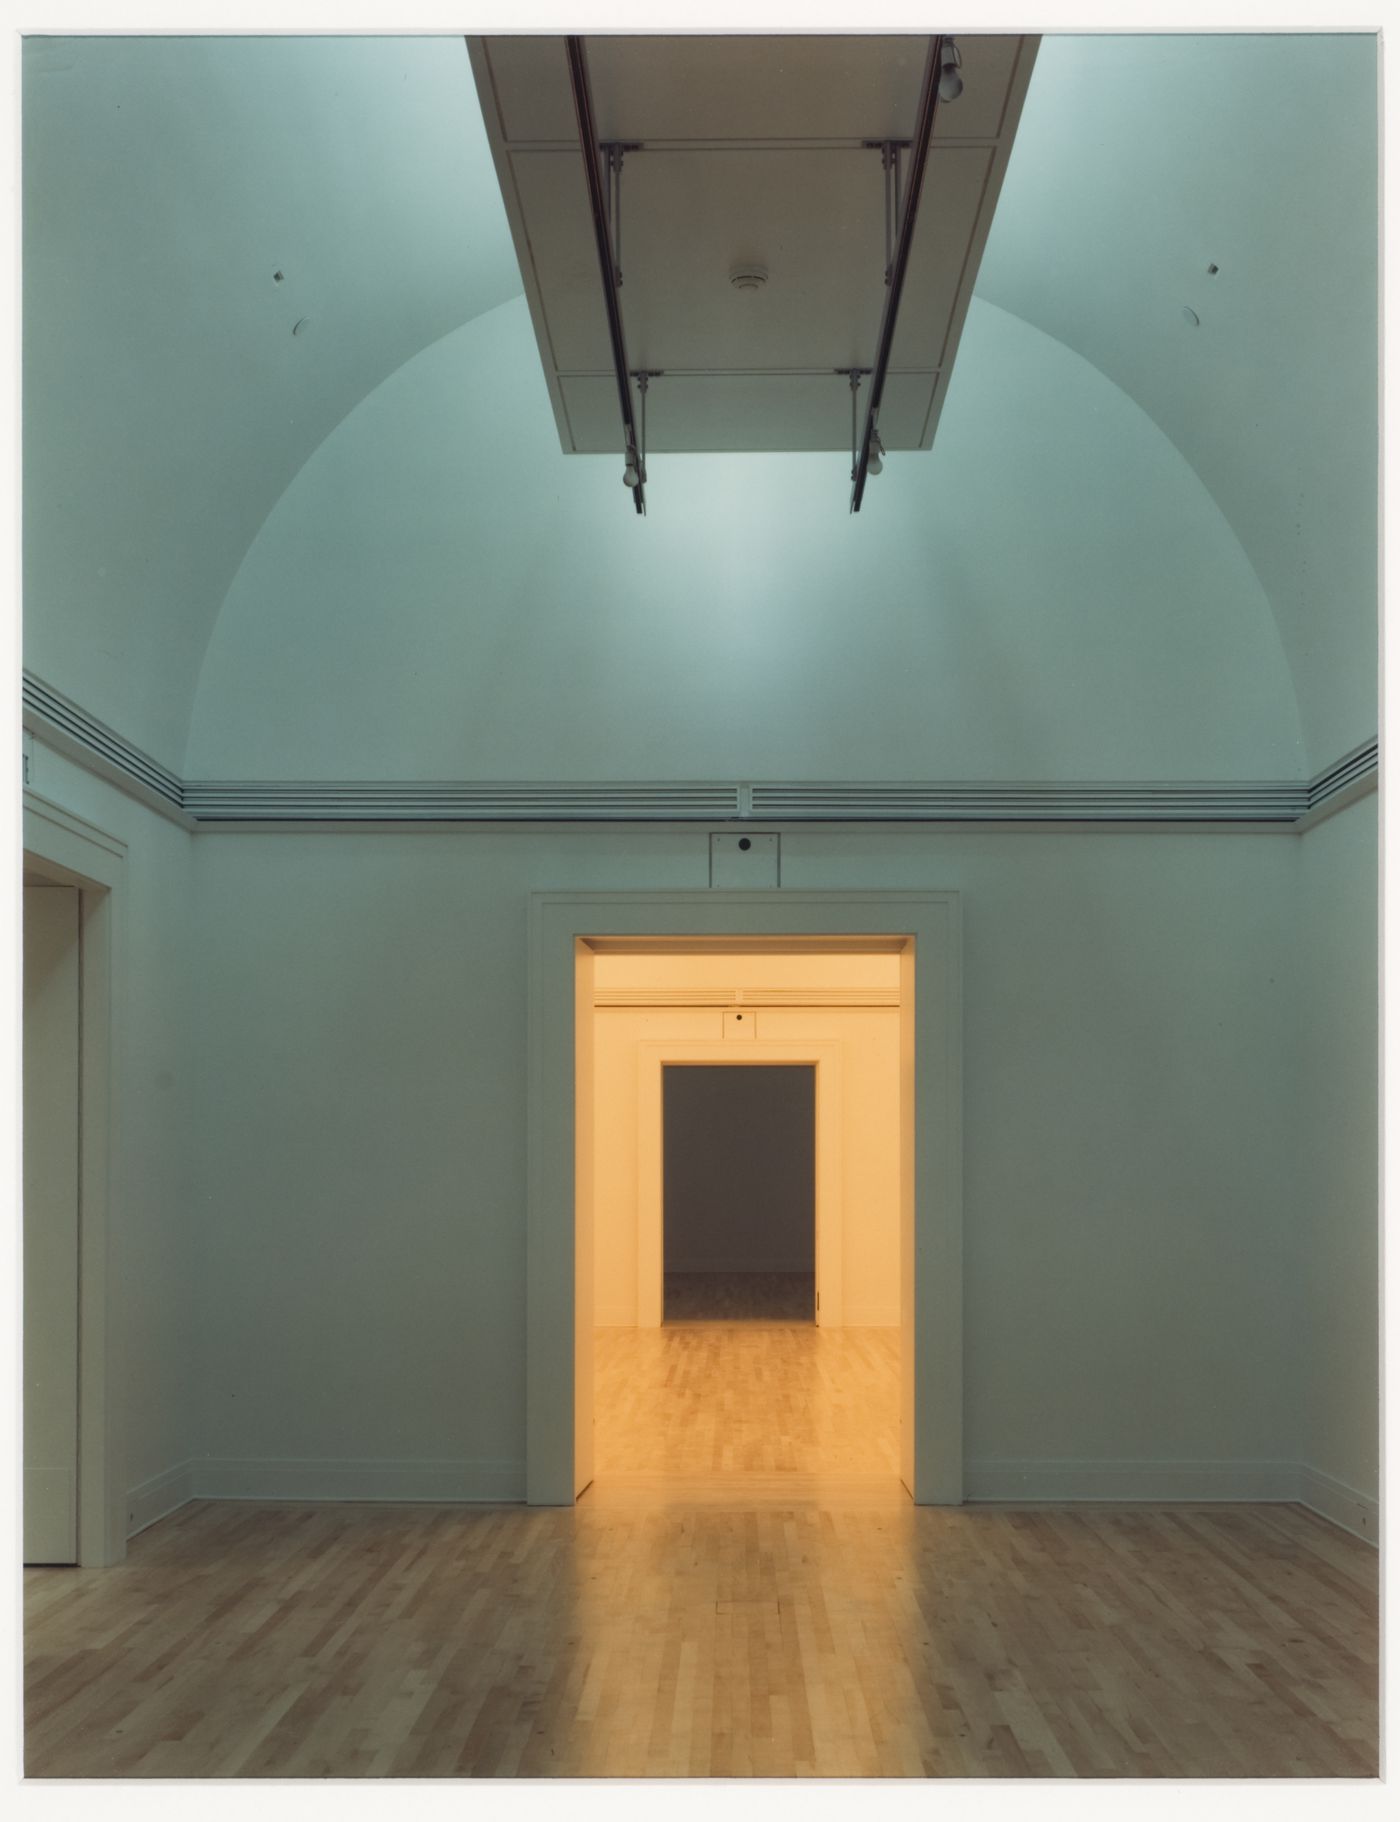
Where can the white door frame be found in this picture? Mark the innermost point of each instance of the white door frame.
(653, 1055)
(73, 852)
(559, 1295)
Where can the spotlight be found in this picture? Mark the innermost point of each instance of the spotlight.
(630, 474)
(950, 82)
(875, 465)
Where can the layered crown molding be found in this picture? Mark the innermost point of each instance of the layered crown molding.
(1289, 805)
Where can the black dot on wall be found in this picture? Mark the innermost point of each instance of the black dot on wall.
(745, 843)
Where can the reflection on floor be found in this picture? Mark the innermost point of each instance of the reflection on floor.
(740, 1297)
(745, 1591)
(743, 1637)
(747, 1397)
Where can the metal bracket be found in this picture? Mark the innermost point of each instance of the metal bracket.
(855, 375)
(889, 150)
(644, 376)
(613, 151)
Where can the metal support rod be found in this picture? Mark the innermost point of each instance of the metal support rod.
(855, 388)
(899, 265)
(854, 376)
(588, 145)
(887, 158)
(643, 381)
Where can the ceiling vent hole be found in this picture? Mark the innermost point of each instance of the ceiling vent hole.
(1212, 270)
(277, 277)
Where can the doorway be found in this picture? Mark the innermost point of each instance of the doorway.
(568, 933)
(739, 1193)
(75, 1485)
(52, 1051)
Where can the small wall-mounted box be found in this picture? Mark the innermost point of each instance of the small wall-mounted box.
(745, 860)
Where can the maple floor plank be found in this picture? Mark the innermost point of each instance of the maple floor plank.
(744, 1602)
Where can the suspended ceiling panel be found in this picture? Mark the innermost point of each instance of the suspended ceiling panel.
(747, 151)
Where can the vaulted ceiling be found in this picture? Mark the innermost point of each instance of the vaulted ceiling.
(178, 390)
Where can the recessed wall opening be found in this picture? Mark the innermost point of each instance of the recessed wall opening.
(52, 1071)
(739, 1215)
(75, 1506)
(577, 1256)
(743, 1139)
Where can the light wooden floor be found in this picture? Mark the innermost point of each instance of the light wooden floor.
(707, 1398)
(781, 1616)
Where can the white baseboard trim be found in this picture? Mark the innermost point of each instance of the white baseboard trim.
(487, 1482)
(1055, 1480)
(159, 1497)
(1334, 1499)
(868, 1316)
(451, 1482)
(740, 1268)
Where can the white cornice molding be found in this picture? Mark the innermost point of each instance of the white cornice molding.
(76, 735)
(1286, 806)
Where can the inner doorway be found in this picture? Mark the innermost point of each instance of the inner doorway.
(741, 1100)
(52, 1055)
(739, 1215)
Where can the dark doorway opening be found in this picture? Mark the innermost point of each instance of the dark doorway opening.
(739, 1192)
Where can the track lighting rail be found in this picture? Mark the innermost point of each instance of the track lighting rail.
(899, 265)
(598, 199)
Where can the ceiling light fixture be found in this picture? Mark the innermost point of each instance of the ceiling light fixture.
(950, 82)
(606, 242)
(876, 464)
(935, 64)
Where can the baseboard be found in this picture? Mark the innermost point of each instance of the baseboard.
(452, 1482)
(855, 1316)
(868, 1316)
(487, 1482)
(1057, 1479)
(740, 1267)
(159, 1497)
(1343, 1505)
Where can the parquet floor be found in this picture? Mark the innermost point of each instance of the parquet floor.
(688, 1618)
(706, 1398)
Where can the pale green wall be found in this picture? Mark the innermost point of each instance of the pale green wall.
(1169, 1159)
(1049, 594)
(168, 407)
(167, 403)
(1132, 1150)
(1340, 1226)
(155, 1219)
(1140, 161)
(1169, 1128)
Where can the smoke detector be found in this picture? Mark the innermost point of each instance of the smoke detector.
(749, 278)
